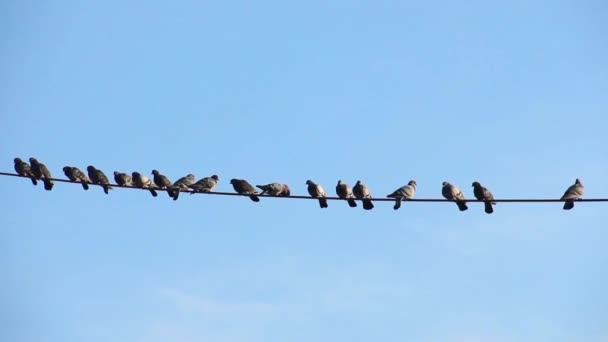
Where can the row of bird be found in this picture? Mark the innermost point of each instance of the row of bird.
(37, 171)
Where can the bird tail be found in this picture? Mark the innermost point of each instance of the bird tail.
(48, 184)
(34, 181)
(367, 204)
(568, 205)
(397, 203)
(106, 188)
(352, 203)
(176, 195)
(488, 207)
(462, 205)
(85, 185)
(323, 202)
(153, 192)
(254, 198)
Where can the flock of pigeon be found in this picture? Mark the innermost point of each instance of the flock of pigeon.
(37, 171)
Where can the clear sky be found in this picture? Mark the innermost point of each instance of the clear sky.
(511, 94)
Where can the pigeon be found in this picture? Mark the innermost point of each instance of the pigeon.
(40, 171)
(98, 177)
(244, 188)
(344, 192)
(275, 189)
(452, 193)
(163, 182)
(123, 179)
(24, 169)
(143, 182)
(574, 192)
(316, 190)
(206, 184)
(75, 175)
(361, 190)
(403, 193)
(182, 184)
(483, 194)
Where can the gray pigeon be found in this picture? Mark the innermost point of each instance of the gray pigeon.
(141, 181)
(483, 194)
(574, 192)
(452, 193)
(344, 191)
(403, 193)
(98, 177)
(316, 190)
(123, 179)
(24, 169)
(163, 183)
(206, 184)
(275, 189)
(361, 191)
(182, 184)
(40, 171)
(75, 175)
(242, 187)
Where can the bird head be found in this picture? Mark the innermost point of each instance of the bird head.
(33, 160)
(135, 174)
(476, 184)
(91, 168)
(412, 182)
(215, 177)
(445, 183)
(155, 172)
(18, 160)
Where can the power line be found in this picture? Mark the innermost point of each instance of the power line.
(380, 199)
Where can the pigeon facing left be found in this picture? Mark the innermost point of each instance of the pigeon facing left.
(24, 169)
(40, 171)
(344, 191)
(453, 193)
(75, 175)
(574, 192)
(98, 177)
(361, 190)
(316, 190)
(123, 179)
(243, 187)
(141, 181)
(483, 194)
(275, 189)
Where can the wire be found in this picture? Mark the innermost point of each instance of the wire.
(333, 198)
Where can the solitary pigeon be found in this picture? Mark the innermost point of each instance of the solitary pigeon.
(361, 190)
(574, 192)
(24, 169)
(452, 193)
(40, 171)
(143, 182)
(244, 188)
(98, 177)
(345, 192)
(403, 193)
(163, 182)
(182, 184)
(75, 175)
(206, 184)
(483, 194)
(275, 189)
(123, 179)
(316, 190)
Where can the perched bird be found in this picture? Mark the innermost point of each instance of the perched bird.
(361, 191)
(275, 189)
(182, 184)
(244, 188)
(75, 175)
(24, 169)
(40, 171)
(483, 194)
(574, 192)
(452, 193)
(403, 193)
(345, 192)
(123, 179)
(206, 184)
(316, 190)
(98, 177)
(141, 181)
(163, 182)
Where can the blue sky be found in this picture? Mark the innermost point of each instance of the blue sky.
(509, 94)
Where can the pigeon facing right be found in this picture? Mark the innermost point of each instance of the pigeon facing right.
(163, 182)
(141, 181)
(574, 192)
(316, 190)
(24, 169)
(344, 191)
(40, 171)
(452, 193)
(275, 189)
(403, 193)
(182, 184)
(361, 190)
(483, 194)
(75, 175)
(206, 184)
(243, 187)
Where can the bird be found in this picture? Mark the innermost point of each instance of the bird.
(345, 192)
(483, 194)
(244, 188)
(163, 182)
(123, 179)
(24, 169)
(316, 190)
(40, 171)
(206, 184)
(403, 193)
(141, 181)
(274, 189)
(182, 184)
(361, 191)
(75, 175)
(452, 193)
(574, 192)
(98, 177)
